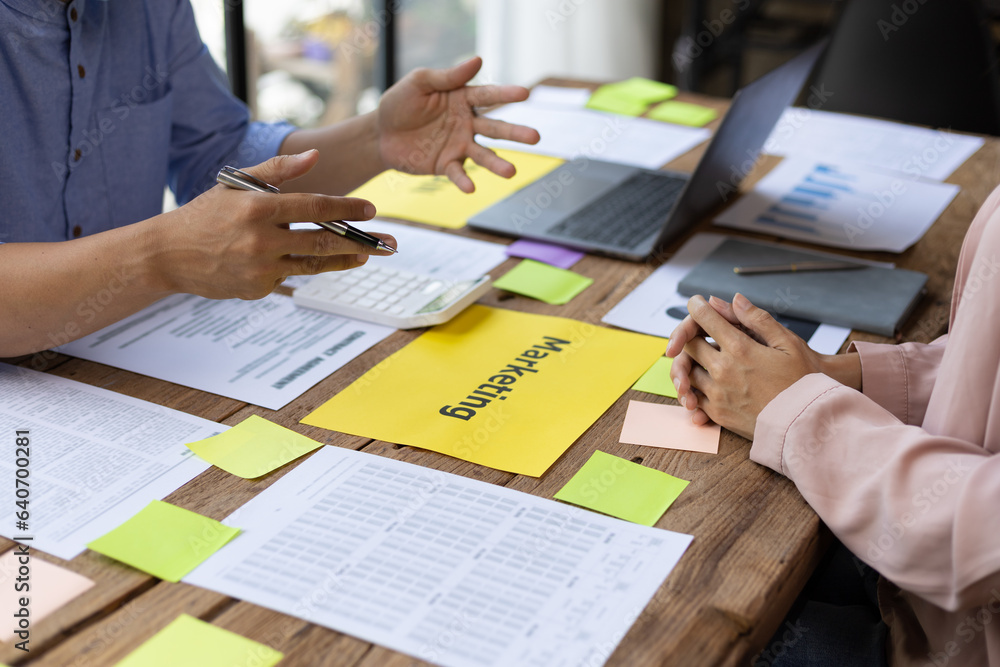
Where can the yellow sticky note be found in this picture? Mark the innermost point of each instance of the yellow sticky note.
(254, 447)
(499, 388)
(164, 540)
(683, 113)
(668, 426)
(191, 642)
(543, 282)
(611, 485)
(630, 97)
(657, 379)
(435, 200)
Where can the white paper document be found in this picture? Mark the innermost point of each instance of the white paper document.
(440, 254)
(264, 352)
(94, 457)
(655, 307)
(585, 133)
(444, 568)
(883, 144)
(560, 97)
(427, 252)
(839, 205)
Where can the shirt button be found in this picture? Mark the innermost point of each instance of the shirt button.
(83, 72)
(77, 155)
(77, 231)
(72, 14)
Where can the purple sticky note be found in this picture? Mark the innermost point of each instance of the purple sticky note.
(545, 252)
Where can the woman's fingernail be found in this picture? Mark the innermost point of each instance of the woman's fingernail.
(741, 302)
(369, 210)
(677, 383)
(683, 400)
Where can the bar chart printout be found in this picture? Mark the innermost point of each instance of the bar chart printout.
(841, 206)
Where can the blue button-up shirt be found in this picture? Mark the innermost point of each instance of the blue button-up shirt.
(102, 104)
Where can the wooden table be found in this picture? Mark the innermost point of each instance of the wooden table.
(755, 540)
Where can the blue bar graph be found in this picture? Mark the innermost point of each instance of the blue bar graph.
(803, 207)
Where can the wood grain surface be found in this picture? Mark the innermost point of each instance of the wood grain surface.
(755, 540)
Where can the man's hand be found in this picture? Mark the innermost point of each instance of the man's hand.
(427, 123)
(231, 243)
(753, 360)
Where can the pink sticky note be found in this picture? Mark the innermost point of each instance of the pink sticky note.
(544, 252)
(667, 426)
(51, 587)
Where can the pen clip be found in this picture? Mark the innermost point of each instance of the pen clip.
(237, 178)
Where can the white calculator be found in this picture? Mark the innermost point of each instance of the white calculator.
(399, 299)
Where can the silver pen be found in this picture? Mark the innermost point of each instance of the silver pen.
(798, 266)
(241, 180)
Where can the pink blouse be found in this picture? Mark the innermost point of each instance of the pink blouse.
(906, 474)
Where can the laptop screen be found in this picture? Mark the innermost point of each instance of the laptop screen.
(737, 143)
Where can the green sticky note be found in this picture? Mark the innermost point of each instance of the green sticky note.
(254, 447)
(192, 642)
(657, 379)
(544, 282)
(683, 113)
(630, 97)
(605, 100)
(612, 485)
(164, 540)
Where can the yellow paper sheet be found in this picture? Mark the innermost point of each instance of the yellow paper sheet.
(254, 447)
(541, 381)
(191, 642)
(668, 426)
(623, 489)
(436, 201)
(51, 587)
(164, 540)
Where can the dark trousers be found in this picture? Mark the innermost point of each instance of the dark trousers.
(835, 621)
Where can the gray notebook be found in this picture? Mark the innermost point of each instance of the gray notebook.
(871, 299)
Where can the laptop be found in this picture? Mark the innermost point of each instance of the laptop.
(629, 212)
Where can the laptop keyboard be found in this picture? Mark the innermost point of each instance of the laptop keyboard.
(625, 215)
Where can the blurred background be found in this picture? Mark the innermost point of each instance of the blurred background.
(318, 61)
